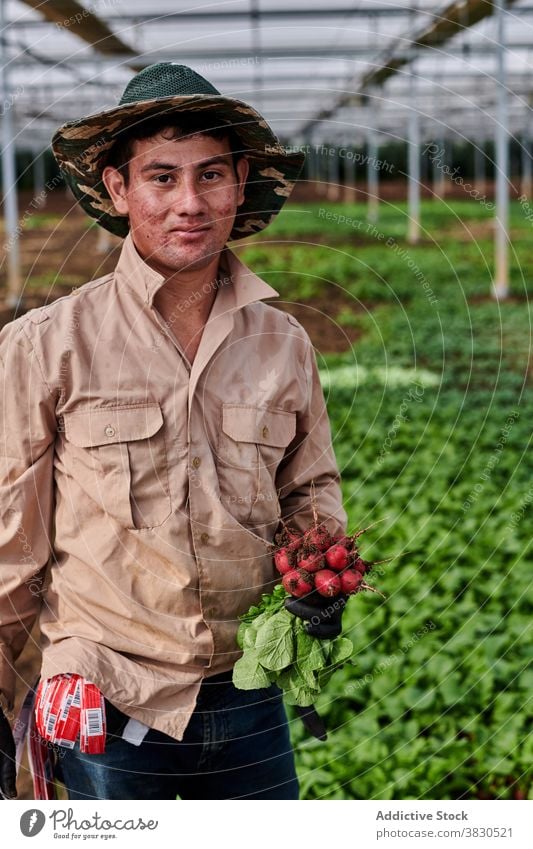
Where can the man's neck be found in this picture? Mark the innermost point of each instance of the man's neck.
(185, 301)
(187, 284)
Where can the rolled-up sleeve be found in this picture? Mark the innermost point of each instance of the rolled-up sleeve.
(310, 461)
(26, 494)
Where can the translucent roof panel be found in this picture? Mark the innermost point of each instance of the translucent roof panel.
(300, 63)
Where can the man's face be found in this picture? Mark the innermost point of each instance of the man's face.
(181, 199)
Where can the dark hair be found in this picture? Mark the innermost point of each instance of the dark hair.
(180, 126)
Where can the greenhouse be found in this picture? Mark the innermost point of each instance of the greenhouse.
(401, 257)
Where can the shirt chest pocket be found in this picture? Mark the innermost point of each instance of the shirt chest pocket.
(127, 446)
(252, 443)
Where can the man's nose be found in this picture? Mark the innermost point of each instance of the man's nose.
(190, 200)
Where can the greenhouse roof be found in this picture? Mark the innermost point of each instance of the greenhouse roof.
(316, 73)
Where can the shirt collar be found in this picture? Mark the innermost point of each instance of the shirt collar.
(240, 285)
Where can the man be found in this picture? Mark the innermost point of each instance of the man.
(158, 423)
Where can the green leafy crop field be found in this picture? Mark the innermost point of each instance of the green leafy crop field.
(431, 416)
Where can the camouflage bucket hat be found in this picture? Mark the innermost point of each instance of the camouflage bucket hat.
(81, 147)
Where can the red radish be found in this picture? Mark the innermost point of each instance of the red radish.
(314, 559)
(360, 565)
(311, 563)
(327, 583)
(294, 541)
(297, 582)
(290, 580)
(350, 581)
(347, 542)
(337, 557)
(319, 538)
(282, 561)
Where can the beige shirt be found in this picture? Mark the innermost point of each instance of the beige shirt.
(150, 487)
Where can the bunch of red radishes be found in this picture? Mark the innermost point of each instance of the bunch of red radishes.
(316, 562)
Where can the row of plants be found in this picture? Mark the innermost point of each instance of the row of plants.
(439, 703)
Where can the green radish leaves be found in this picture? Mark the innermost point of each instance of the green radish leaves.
(277, 649)
(274, 641)
(248, 674)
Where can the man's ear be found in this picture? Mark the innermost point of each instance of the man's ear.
(242, 168)
(114, 182)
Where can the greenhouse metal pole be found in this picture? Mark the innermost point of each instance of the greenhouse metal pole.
(316, 166)
(39, 192)
(525, 187)
(319, 169)
(425, 175)
(334, 173)
(355, 172)
(479, 166)
(372, 177)
(9, 178)
(439, 163)
(413, 168)
(312, 164)
(349, 174)
(500, 285)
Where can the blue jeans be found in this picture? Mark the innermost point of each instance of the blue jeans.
(236, 746)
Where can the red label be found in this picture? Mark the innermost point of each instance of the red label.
(66, 706)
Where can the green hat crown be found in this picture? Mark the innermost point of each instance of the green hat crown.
(166, 79)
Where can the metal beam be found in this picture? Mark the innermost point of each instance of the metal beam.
(211, 15)
(456, 17)
(221, 59)
(71, 15)
(285, 81)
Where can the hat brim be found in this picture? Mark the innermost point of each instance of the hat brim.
(81, 148)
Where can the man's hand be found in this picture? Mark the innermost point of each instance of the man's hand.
(324, 616)
(324, 620)
(312, 722)
(8, 774)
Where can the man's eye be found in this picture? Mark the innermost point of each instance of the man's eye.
(211, 174)
(162, 178)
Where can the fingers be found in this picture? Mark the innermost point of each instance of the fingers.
(330, 613)
(301, 608)
(312, 721)
(323, 630)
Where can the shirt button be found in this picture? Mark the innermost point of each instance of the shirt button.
(204, 539)
(110, 431)
(265, 432)
(196, 462)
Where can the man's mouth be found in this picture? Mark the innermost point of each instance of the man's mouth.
(200, 229)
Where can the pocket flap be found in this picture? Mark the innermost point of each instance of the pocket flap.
(258, 424)
(107, 425)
